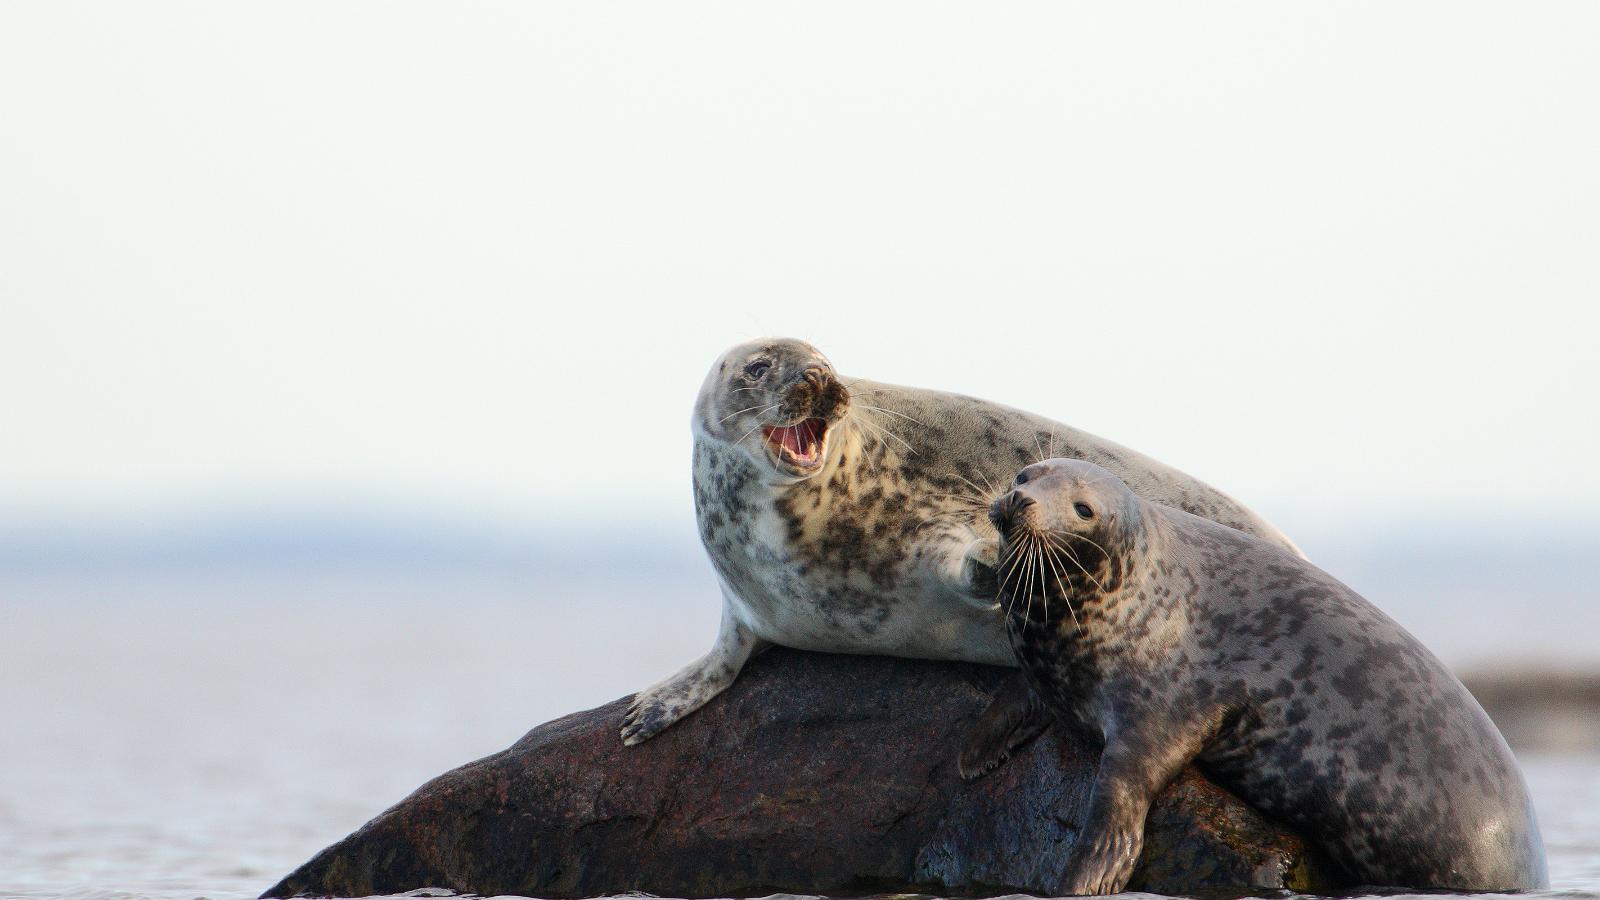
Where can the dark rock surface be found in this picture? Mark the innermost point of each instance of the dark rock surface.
(812, 774)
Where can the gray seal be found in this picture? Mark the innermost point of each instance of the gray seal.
(848, 516)
(1166, 639)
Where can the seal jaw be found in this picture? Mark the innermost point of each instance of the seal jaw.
(797, 449)
(812, 404)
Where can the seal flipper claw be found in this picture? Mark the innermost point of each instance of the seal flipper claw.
(1014, 717)
(1104, 862)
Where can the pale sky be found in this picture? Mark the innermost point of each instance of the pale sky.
(1341, 258)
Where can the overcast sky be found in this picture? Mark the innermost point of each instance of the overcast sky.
(1336, 259)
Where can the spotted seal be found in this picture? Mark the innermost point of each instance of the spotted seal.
(1167, 638)
(847, 516)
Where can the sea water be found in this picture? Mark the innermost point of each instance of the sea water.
(201, 734)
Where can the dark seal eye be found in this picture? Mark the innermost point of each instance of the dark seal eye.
(758, 368)
(1083, 510)
(1022, 477)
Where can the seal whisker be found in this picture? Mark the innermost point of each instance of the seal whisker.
(1033, 559)
(1012, 564)
(745, 410)
(980, 492)
(893, 413)
(909, 449)
(880, 427)
(1081, 538)
(860, 425)
(1006, 597)
(1051, 452)
(1019, 590)
(1079, 563)
(1044, 579)
(947, 514)
(1049, 555)
(879, 431)
(1008, 563)
(767, 420)
(861, 436)
(1066, 587)
(977, 501)
(1033, 550)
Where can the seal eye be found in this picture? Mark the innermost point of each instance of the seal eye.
(758, 368)
(1083, 510)
(1022, 477)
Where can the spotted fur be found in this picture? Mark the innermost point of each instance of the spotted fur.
(1170, 639)
(883, 548)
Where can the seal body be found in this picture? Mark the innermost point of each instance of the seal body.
(1171, 639)
(849, 516)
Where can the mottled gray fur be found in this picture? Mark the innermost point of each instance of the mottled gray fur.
(882, 547)
(1171, 639)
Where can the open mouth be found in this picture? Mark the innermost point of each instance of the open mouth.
(798, 445)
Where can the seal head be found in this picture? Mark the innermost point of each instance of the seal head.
(777, 400)
(1064, 529)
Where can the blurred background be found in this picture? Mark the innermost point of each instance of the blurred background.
(347, 352)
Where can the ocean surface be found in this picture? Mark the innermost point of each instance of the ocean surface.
(199, 733)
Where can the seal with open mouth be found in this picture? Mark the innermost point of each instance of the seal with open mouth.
(1168, 639)
(848, 516)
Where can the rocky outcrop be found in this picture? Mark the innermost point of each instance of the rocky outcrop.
(812, 774)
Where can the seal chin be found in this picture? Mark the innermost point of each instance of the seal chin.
(797, 449)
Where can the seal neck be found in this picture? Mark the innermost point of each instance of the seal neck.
(1139, 604)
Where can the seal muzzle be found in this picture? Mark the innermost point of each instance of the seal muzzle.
(812, 404)
(1009, 510)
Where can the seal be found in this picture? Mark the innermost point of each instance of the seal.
(848, 516)
(1167, 638)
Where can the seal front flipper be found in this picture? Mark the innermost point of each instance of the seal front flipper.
(657, 707)
(976, 576)
(1131, 773)
(1103, 859)
(1014, 717)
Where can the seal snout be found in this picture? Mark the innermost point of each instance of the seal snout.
(1011, 510)
(816, 394)
(812, 402)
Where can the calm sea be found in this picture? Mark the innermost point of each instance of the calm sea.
(201, 734)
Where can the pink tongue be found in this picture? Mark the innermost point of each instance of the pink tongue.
(791, 438)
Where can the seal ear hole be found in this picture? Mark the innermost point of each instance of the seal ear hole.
(758, 369)
(1083, 510)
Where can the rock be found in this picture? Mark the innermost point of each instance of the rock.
(815, 774)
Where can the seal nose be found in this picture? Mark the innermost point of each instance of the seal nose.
(820, 393)
(1005, 511)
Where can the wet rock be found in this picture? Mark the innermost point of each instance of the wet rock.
(812, 774)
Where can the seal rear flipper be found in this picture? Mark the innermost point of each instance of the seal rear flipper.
(1014, 717)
